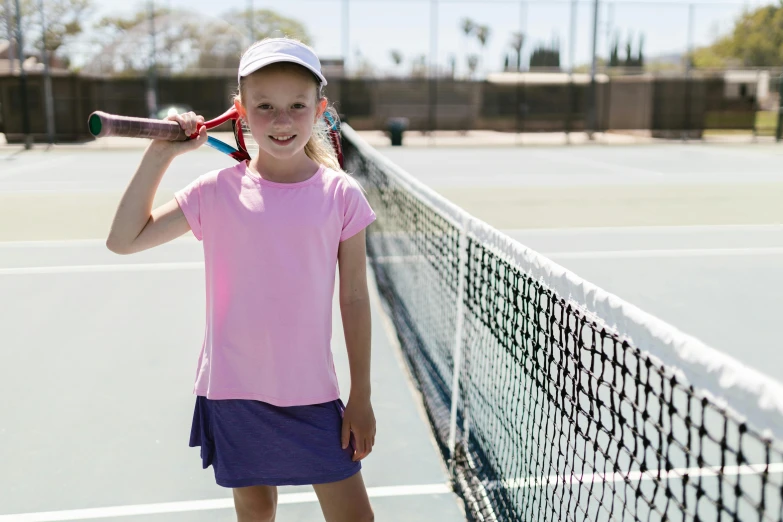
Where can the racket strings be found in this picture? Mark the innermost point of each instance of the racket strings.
(242, 131)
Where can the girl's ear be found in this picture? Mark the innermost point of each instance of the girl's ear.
(322, 105)
(239, 108)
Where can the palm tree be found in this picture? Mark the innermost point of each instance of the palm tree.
(482, 34)
(397, 58)
(473, 61)
(517, 42)
(468, 26)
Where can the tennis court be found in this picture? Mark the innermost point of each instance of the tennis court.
(99, 352)
(551, 398)
(690, 234)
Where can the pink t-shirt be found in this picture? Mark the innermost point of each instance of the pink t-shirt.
(270, 253)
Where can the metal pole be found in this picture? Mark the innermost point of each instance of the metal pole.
(346, 35)
(251, 21)
(519, 84)
(572, 64)
(9, 22)
(592, 109)
(152, 95)
(47, 78)
(28, 139)
(433, 64)
(572, 39)
(688, 65)
(779, 131)
(609, 26)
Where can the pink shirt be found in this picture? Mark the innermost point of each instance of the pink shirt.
(270, 253)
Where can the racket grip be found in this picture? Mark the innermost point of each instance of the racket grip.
(103, 124)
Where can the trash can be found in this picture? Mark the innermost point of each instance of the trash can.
(396, 126)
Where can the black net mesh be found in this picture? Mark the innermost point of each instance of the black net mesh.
(558, 416)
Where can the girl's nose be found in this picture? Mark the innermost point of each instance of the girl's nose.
(282, 117)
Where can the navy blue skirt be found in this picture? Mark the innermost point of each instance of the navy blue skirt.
(252, 443)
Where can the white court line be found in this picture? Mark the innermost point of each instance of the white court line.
(120, 267)
(634, 476)
(675, 229)
(188, 238)
(203, 505)
(685, 252)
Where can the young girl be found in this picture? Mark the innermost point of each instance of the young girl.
(274, 229)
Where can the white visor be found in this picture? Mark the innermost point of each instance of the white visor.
(274, 50)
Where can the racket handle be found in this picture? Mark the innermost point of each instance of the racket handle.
(103, 124)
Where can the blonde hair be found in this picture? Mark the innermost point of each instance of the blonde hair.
(319, 147)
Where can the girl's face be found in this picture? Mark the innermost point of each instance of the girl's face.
(280, 105)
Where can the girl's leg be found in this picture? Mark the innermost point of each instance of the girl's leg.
(345, 501)
(255, 503)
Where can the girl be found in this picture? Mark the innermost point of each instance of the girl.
(274, 229)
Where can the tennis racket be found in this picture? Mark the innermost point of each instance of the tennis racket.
(103, 124)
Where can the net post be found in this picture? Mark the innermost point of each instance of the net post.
(455, 381)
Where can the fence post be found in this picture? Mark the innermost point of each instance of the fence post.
(779, 131)
(592, 115)
(28, 138)
(433, 76)
(688, 68)
(47, 78)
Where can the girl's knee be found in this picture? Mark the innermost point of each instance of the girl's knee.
(257, 504)
(265, 513)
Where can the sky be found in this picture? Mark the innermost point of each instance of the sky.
(376, 27)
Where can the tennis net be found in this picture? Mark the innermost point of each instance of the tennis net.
(551, 399)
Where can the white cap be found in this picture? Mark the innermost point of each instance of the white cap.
(274, 50)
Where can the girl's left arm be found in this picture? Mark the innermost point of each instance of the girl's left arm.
(355, 309)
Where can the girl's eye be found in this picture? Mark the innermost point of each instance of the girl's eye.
(264, 106)
(299, 106)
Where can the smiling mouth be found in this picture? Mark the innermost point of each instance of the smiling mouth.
(283, 139)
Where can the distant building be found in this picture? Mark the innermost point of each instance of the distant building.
(543, 78)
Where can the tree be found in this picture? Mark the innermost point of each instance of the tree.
(756, 41)
(124, 42)
(473, 61)
(63, 22)
(192, 42)
(614, 58)
(468, 26)
(483, 33)
(631, 60)
(267, 23)
(544, 56)
(396, 57)
(517, 42)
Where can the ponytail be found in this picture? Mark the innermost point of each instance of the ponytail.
(320, 148)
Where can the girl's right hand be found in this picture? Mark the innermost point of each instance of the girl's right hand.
(189, 123)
